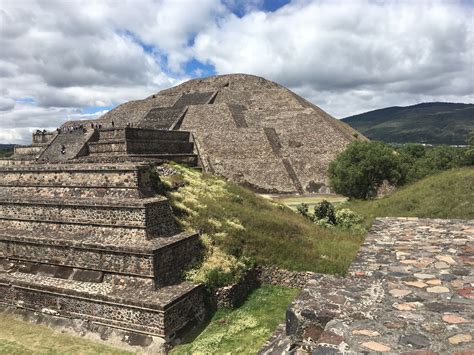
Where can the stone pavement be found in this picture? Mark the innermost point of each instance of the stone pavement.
(410, 290)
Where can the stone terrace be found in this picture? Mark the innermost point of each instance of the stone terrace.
(94, 242)
(409, 290)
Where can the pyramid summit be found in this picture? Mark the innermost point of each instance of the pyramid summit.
(248, 129)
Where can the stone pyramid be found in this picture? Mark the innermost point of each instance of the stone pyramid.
(250, 130)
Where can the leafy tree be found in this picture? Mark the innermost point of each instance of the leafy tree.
(470, 149)
(418, 161)
(470, 140)
(358, 171)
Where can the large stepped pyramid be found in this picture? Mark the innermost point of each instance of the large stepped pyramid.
(84, 236)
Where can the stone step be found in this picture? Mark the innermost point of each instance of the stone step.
(160, 312)
(161, 117)
(188, 159)
(141, 147)
(12, 161)
(77, 180)
(160, 261)
(74, 144)
(150, 217)
(143, 134)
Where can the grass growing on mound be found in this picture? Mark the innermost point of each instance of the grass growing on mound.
(449, 194)
(18, 337)
(240, 227)
(244, 330)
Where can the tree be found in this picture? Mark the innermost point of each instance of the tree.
(470, 149)
(358, 171)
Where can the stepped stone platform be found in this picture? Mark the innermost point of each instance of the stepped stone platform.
(410, 290)
(84, 236)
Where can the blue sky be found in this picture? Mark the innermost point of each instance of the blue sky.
(71, 60)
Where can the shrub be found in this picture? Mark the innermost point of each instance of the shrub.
(324, 223)
(303, 209)
(418, 161)
(325, 210)
(347, 219)
(358, 171)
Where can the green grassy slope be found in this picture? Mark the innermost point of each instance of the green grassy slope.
(433, 123)
(244, 330)
(449, 194)
(237, 222)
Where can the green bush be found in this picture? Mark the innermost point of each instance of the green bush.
(303, 209)
(358, 171)
(418, 161)
(324, 223)
(325, 216)
(346, 218)
(324, 210)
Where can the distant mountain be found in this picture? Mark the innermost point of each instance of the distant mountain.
(6, 146)
(431, 123)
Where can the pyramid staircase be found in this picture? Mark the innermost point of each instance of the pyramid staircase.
(93, 241)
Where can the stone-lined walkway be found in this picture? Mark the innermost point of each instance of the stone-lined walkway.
(410, 290)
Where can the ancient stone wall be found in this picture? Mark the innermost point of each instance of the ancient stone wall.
(101, 259)
(43, 137)
(118, 180)
(144, 317)
(274, 275)
(63, 228)
(152, 219)
(234, 295)
(28, 150)
(94, 242)
(171, 261)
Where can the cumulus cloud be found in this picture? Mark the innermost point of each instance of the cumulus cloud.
(68, 55)
(58, 57)
(359, 50)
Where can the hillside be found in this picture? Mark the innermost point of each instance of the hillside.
(240, 226)
(6, 150)
(449, 194)
(431, 123)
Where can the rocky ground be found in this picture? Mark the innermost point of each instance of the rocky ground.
(410, 290)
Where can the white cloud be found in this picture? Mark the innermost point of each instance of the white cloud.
(352, 55)
(68, 55)
(345, 56)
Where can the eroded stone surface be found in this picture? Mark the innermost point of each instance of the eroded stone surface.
(409, 290)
